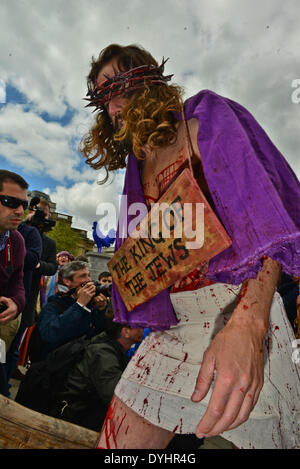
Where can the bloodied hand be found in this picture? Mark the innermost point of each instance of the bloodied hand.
(235, 357)
(238, 379)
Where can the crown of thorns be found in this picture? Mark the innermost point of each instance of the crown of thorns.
(126, 82)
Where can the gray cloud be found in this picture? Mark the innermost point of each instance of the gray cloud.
(245, 50)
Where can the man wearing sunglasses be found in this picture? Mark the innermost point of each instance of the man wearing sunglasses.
(13, 202)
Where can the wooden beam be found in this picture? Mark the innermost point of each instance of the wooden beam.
(22, 428)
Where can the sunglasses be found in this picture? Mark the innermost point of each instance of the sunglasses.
(13, 202)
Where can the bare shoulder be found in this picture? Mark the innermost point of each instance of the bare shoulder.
(193, 125)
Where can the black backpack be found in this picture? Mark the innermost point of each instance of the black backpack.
(44, 379)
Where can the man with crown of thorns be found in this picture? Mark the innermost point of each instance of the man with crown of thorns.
(218, 358)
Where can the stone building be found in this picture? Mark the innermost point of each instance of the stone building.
(86, 246)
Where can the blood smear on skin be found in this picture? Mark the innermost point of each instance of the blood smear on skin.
(110, 429)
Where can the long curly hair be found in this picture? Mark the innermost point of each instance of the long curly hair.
(148, 116)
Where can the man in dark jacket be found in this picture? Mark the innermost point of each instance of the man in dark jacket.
(13, 202)
(90, 385)
(33, 247)
(46, 266)
(74, 311)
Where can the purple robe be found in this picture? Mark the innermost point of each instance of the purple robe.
(256, 196)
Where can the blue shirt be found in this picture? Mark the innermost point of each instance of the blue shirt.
(3, 238)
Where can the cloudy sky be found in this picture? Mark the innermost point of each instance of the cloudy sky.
(247, 50)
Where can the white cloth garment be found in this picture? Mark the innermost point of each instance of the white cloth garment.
(160, 379)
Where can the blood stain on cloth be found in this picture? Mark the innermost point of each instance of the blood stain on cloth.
(272, 329)
(180, 429)
(139, 361)
(171, 376)
(145, 405)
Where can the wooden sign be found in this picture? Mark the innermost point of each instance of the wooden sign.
(179, 233)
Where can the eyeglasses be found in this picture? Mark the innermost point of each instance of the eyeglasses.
(13, 202)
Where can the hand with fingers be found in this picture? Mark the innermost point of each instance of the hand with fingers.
(100, 301)
(10, 312)
(236, 355)
(86, 293)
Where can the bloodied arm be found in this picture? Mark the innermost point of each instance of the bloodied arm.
(236, 354)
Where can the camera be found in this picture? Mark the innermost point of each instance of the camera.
(38, 220)
(104, 289)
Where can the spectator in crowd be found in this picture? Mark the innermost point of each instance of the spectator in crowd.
(46, 266)
(90, 384)
(105, 278)
(74, 313)
(13, 202)
(63, 258)
(134, 347)
(33, 247)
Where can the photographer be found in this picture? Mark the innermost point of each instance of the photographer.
(76, 310)
(39, 213)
